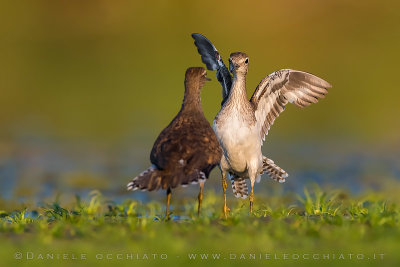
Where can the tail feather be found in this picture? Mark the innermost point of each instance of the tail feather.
(148, 180)
(194, 178)
(274, 171)
(239, 186)
(155, 179)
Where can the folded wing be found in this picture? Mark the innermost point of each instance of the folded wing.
(281, 87)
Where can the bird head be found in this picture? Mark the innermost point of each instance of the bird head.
(196, 76)
(238, 63)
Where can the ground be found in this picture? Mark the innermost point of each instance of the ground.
(317, 227)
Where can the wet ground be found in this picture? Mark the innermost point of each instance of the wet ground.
(34, 170)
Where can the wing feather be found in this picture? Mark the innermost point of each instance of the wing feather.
(211, 57)
(281, 87)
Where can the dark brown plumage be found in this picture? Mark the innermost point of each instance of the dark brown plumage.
(187, 150)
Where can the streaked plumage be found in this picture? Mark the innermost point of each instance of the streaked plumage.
(241, 125)
(274, 171)
(187, 150)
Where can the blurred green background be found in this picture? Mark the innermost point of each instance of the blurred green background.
(113, 70)
(86, 86)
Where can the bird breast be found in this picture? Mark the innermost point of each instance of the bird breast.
(238, 138)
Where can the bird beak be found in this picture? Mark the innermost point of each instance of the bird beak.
(207, 79)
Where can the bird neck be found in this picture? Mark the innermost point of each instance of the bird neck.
(238, 91)
(192, 99)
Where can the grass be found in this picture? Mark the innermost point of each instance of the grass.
(319, 224)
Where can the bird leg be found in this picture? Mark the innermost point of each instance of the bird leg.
(224, 186)
(200, 198)
(168, 200)
(251, 198)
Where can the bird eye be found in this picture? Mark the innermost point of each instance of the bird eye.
(246, 61)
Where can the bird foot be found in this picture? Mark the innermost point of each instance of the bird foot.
(251, 198)
(225, 213)
(168, 217)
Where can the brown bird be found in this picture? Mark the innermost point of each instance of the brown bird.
(187, 150)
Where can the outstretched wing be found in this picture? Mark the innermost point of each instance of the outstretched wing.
(279, 88)
(212, 59)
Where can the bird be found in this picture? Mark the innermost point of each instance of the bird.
(211, 57)
(187, 150)
(241, 125)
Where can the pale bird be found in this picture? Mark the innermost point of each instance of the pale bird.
(241, 125)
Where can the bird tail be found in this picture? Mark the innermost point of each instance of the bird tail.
(148, 180)
(155, 179)
(194, 178)
(274, 171)
(239, 186)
